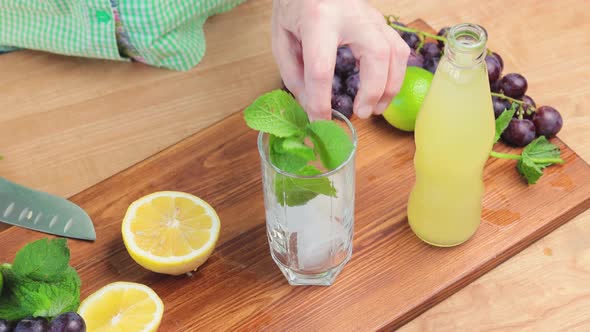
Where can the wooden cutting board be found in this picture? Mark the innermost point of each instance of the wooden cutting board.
(392, 276)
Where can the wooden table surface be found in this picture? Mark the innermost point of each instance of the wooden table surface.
(66, 124)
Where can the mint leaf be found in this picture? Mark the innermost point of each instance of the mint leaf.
(42, 260)
(503, 121)
(10, 310)
(276, 113)
(536, 156)
(293, 191)
(296, 147)
(41, 299)
(331, 143)
(287, 162)
(52, 299)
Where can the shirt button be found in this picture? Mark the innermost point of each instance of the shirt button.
(103, 16)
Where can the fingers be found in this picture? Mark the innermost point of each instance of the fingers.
(374, 61)
(319, 43)
(398, 58)
(288, 57)
(287, 53)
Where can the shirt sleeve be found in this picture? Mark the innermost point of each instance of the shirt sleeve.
(72, 27)
(170, 34)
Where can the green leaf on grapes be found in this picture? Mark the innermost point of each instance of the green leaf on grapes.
(529, 170)
(536, 156)
(277, 113)
(296, 191)
(331, 143)
(503, 121)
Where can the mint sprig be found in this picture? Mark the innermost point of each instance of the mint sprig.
(278, 114)
(539, 154)
(39, 283)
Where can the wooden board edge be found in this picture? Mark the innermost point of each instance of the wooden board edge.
(489, 265)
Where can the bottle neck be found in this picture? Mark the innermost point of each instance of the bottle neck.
(466, 45)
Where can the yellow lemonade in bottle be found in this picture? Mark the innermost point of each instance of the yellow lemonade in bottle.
(454, 135)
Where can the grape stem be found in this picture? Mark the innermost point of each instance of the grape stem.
(501, 155)
(406, 29)
(521, 103)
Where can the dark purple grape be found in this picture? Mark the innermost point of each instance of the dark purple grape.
(352, 85)
(548, 121)
(519, 132)
(430, 50)
(411, 39)
(5, 326)
(431, 64)
(345, 61)
(496, 86)
(500, 60)
(514, 85)
(337, 86)
(528, 102)
(416, 60)
(442, 33)
(343, 104)
(68, 322)
(32, 325)
(500, 104)
(494, 68)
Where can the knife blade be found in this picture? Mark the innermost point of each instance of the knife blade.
(39, 211)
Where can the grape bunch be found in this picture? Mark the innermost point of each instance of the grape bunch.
(67, 322)
(529, 120)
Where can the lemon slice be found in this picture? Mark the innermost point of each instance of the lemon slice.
(122, 306)
(170, 232)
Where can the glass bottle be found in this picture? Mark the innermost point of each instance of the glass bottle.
(454, 135)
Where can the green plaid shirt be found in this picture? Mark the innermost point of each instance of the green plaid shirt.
(167, 33)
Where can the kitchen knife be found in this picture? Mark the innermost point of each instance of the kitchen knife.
(39, 211)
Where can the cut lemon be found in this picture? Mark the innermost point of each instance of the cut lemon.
(122, 306)
(170, 232)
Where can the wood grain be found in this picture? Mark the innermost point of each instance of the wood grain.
(68, 123)
(392, 276)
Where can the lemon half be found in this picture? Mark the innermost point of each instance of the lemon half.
(170, 232)
(124, 307)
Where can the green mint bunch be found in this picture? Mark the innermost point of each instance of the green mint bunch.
(40, 282)
(278, 114)
(539, 154)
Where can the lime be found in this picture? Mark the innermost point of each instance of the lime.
(402, 111)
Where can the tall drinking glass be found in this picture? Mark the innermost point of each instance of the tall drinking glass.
(310, 234)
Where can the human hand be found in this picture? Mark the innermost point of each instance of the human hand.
(305, 37)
